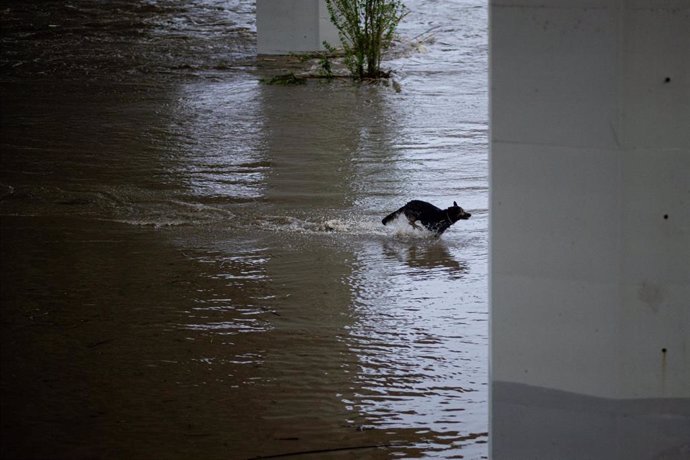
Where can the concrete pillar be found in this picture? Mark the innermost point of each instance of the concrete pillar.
(293, 26)
(590, 229)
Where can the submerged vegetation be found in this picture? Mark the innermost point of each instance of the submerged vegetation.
(366, 29)
(284, 79)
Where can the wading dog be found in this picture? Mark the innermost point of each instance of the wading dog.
(434, 219)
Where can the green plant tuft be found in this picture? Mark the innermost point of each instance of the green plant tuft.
(366, 29)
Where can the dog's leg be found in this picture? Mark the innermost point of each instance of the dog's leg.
(413, 221)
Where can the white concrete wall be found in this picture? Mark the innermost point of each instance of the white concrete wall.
(590, 229)
(590, 180)
(293, 26)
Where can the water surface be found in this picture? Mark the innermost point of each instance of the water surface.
(193, 262)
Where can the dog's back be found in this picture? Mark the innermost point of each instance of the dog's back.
(414, 208)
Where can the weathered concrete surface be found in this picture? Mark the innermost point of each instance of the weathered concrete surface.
(590, 157)
(292, 26)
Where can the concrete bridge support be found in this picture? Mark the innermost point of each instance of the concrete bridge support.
(590, 229)
(293, 26)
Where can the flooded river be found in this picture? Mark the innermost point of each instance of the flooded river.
(193, 263)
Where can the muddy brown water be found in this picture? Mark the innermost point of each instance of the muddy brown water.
(192, 262)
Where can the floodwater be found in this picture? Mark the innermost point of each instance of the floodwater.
(193, 264)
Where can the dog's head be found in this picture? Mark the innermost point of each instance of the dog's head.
(455, 213)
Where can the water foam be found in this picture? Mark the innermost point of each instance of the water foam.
(401, 228)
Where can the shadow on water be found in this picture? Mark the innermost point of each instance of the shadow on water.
(193, 263)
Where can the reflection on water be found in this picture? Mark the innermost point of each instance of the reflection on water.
(222, 153)
(193, 263)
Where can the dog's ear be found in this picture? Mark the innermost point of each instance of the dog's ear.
(455, 204)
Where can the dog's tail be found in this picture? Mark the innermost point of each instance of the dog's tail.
(391, 216)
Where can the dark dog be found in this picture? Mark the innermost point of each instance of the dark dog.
(434, 219)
